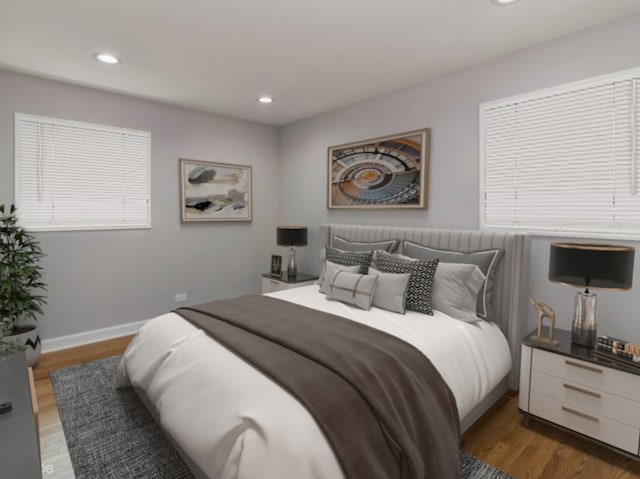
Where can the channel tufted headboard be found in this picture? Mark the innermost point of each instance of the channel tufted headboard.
(507, 297)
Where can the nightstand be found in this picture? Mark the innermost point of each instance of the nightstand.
(571, 388)
(275, 283)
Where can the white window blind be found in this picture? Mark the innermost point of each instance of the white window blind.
(564, 159)
(72, 175)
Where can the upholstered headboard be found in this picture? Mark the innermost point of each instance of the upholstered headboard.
(507, 296)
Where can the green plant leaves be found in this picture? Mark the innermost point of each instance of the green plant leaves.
(20, 274)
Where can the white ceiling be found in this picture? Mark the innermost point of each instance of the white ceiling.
(312, 56)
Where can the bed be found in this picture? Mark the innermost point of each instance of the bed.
(229, 420)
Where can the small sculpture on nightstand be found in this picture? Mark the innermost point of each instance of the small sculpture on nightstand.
(544, 311)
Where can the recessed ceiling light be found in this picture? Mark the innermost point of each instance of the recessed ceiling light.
(265, 99)
(107, 58)
(502, 3)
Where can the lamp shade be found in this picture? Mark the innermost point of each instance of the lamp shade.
(292, 236)
(599, 266)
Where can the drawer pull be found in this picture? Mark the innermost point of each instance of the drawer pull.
(581, 414)
(583, 391)
(583, 366)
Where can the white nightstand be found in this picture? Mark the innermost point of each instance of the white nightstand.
(271, 283)
(569, 387)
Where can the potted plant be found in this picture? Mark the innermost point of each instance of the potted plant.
(20, 282)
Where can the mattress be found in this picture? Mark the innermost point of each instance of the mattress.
(235, 423)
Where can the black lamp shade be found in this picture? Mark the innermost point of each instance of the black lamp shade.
(292, 236)
(599, 266)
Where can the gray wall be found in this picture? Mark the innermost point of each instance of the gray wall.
(107, 278)
(449, 106)
(102, 279)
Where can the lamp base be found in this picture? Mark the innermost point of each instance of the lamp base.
(291, 264)
(583, 328)
(584, 337)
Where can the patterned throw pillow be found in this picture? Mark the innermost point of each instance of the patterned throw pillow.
(350, 258)
(420, 282)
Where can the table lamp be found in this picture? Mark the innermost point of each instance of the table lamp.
(597, 266)
(292, 236)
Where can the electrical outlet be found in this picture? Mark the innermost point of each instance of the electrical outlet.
(181, 297)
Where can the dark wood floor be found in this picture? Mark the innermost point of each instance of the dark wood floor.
(499, 437)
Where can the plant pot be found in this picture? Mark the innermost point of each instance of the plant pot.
(30, 337)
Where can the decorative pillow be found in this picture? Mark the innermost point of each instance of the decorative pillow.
(420, 281)
(353, 288)
(330, 270)
(387, 245)
(391, 290)
(486, 260)
(349, 258)
(455, 290)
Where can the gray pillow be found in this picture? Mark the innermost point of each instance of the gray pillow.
(455, 290)
(391, 290)
(387, 245)
(420, 282)
(330, 270)
(486, 260)
(352, 288)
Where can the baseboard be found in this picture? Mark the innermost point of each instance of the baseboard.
(73, 340)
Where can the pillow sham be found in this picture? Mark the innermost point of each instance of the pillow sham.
(486, 260)
(455, 290)
(352, 288)
(330, 270)
(387, 245)
(420, 281)
(391, 290)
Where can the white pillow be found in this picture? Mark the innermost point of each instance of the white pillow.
(391, 290)
(455, 290)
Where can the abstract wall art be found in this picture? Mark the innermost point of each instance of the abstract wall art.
(214, 191)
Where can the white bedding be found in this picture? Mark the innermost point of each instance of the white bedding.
(235, 423)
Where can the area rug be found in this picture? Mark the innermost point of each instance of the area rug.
(110, 434)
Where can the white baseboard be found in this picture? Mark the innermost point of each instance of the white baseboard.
(73, 340)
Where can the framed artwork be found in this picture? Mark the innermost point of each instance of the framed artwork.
(386, 172)
(276, 265)
(214, 191)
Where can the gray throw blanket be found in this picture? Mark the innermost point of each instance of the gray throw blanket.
(383, 407)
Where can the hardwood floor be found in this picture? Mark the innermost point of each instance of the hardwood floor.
(499, 437)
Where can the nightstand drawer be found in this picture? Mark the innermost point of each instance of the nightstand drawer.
(270, 285)
(601, 428)
(588, 374)
(583, 397)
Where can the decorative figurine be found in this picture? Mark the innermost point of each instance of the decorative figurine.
(544, 311)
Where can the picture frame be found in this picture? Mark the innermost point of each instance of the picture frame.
(276, 265)
(390, 172)
(211, 191)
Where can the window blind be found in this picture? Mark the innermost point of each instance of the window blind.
(72, 175)
(564, 159)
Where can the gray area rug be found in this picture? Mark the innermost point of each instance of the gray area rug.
(110, 433)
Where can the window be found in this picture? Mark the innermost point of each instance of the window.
(564, 159)
(72, 175)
